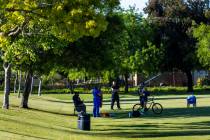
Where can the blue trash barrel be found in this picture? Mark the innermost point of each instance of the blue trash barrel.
(84, 122)
(191, 100)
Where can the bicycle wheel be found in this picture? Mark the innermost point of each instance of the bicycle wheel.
(157, 108)
(137, 107)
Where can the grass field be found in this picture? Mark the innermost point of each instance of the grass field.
(51, 117)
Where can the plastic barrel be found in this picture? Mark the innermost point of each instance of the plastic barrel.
(84, 122)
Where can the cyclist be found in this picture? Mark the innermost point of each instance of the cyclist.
(143, 96)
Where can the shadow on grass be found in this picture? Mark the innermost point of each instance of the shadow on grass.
(169, 113)
(150, 130)
(146, 134)
(58, 101)
(51, 112)
(147, 130)
(25, 135)
(184, 112)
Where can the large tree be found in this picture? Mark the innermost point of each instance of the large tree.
(139, 54)
(94, 54)
(68, 20)
(174, 19)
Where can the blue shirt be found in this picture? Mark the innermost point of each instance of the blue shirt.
(96, 97)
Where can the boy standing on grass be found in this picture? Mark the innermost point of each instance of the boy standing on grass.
(96, 101)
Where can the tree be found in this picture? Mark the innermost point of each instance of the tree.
(174, 35)
(66, 20)
(202, 33)
(142, 55)
(94, 55)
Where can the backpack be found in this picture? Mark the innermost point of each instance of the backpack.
(136, 114)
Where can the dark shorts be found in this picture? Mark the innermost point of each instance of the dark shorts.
(115, 96)
(143, 98)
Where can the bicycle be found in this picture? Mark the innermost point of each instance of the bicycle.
(157, 108)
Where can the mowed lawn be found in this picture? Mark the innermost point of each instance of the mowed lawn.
(51, 117)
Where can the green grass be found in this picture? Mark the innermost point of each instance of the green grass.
(158, 90)
(51, 117)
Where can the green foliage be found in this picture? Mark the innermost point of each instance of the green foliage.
(174, 34)
(29, 26)
(174, 21)
(202, 33)
(74, 74)
(203, 82)
(147, 59)
(68, 19)
(108, 76)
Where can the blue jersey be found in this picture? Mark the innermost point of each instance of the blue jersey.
(96, 96)
(144, 95)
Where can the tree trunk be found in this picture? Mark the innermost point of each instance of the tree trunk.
(126, 82)
(7, 69)
(71, 83)
(15, 82)
(40, 86)
(32, 82)
(27, 89)
(19, 84)
(189, 81)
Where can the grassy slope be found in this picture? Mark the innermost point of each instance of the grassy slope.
(50, 117)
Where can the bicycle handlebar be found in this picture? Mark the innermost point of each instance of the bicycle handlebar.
(151, 99)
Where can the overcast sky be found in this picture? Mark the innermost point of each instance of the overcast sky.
(138, 4)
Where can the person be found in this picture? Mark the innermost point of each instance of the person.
(96, 101)
(78, 103)
(115, 95)
(144, 98)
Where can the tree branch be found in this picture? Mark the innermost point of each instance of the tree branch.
(23, 10)
(6, 65)
(14, 31)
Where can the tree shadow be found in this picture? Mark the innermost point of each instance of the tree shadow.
(58, 101)
(169, 113)
(30, 136)
(52, 112)
(150, 130)
(183, 112)
(158, 133)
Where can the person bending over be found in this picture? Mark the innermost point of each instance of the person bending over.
(78, 103)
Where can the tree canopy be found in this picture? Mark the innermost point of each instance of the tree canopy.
(175, 22)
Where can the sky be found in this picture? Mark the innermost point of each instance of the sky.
(140, 4)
